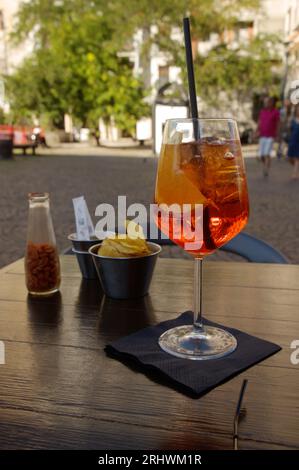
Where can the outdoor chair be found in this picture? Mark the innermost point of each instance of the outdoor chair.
(248, 247)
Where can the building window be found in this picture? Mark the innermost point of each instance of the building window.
(164, 73)
(243, 31)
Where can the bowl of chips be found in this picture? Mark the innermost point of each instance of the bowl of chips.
(125, 264)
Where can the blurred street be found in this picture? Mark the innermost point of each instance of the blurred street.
(274, 202)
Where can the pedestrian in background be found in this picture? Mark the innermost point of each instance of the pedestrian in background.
(285, 114)
(293, 149)
(268, 124)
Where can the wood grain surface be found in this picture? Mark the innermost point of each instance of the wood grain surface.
(59, 390)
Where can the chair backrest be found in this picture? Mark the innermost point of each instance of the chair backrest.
(251, 248)
(254, 250)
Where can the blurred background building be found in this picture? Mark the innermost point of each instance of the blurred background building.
(279, 17)
(10, 56)
(276, 17)
(291, 44)
(156, 71)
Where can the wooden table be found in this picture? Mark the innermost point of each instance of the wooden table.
(58, 390)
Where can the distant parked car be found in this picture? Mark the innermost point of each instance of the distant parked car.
(247, 133)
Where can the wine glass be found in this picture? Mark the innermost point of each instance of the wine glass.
(201, 203)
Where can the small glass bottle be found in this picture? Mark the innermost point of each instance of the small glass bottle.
(42, 268)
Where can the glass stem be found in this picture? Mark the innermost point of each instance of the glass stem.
(198, 294)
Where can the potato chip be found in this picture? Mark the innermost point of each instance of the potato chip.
(124, 246)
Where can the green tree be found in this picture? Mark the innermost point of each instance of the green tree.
(74, 68)
(227, 74)
(239, 72)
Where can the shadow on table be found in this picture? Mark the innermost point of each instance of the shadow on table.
(44, 328)
(90, 293)
(119, 318)
(45, 310)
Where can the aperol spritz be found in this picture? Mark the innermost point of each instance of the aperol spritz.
(200, 165)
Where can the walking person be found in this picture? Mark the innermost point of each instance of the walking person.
(267, 129)
(285, 114)
(293, 149)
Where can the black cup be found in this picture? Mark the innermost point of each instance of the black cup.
(86, 264)
(125, 278)
(82, 245)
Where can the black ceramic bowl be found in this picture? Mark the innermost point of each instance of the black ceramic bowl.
(125, 278)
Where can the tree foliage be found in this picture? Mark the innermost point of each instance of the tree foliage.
(238, 73)
(222, 73)
(76, 66)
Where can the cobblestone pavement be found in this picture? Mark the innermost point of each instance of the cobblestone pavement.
(274, 202)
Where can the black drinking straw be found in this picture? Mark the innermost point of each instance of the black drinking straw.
(190, 70)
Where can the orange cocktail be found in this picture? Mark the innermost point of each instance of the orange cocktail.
(208, 173)
(201, 203)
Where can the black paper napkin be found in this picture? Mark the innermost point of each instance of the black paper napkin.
(194, 378)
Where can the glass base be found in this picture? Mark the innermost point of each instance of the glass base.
(190, 343)
(44, 293)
